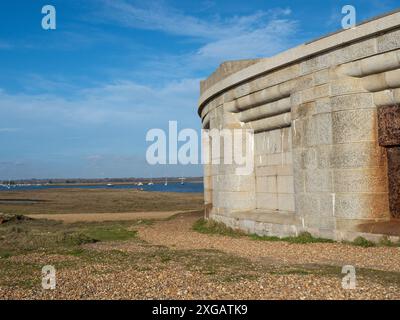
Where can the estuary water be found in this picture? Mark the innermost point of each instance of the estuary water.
(159, 187)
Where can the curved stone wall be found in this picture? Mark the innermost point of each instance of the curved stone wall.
(319, 163)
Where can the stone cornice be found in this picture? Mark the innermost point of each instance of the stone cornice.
(364, 30)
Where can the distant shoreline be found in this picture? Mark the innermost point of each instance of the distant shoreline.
(117, 183)
(94, 182)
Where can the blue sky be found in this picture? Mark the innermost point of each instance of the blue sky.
(77, 101)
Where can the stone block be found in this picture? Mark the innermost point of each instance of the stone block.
(266, 171)
(236, 183)
(354, 125)
(267, 201)
(362, 205)
(277, 77)
(323, 105)
(307, 204)
(389, 41)
(285, 170)
(285, 184)
(314, 64)
(323, 128)
(318, 222)
(260, 143)
(297, 133)
(354, 101)
(318, 180)
(235, 200)
(346, 86)
(355, 51)
(315, 93)
(357, 155)
(275, 159)
(298, 163)
(309, 158)
(286, 202)
(303, 110)
(286, 134)
(288, 158)
(208, 196)
(274, 141)
(266, 184)
(310, 127)
(327, 204)
(360, 180)
(299, 182)
(247, 226)
(321, 77)
(324, 156)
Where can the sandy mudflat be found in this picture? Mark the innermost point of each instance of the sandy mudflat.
(93, 217)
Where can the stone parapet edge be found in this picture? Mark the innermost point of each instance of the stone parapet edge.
(301, 52)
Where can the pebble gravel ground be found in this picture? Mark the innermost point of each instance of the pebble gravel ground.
(171, 261)
(179, 234)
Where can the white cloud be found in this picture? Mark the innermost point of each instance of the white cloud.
(113, 103)
(262, 42)
(9, 130)
(155, 16)
(261, 34)
(5, 45)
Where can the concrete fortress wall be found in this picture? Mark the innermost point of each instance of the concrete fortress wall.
(327, 135)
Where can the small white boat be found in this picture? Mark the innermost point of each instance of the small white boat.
(140, 183)
(166, 182)
(109, 184)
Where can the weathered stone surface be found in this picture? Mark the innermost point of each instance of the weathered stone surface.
(394, 180)
(389, 126)
(360, 180)
(267, 200)
(354, 125)
(318, 180)
(286, 202)
(363, 206)
(225, 69)
(389, 41)
(326, 154)
(354, 101)
(357, 155)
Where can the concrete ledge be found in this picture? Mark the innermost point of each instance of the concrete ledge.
(287, 224)
(276, 217)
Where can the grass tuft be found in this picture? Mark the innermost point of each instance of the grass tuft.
(5, 254)
(304, 237)
(110, 234)
(75, 238)
(256, 237)
(218, 228)
(386, 242)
